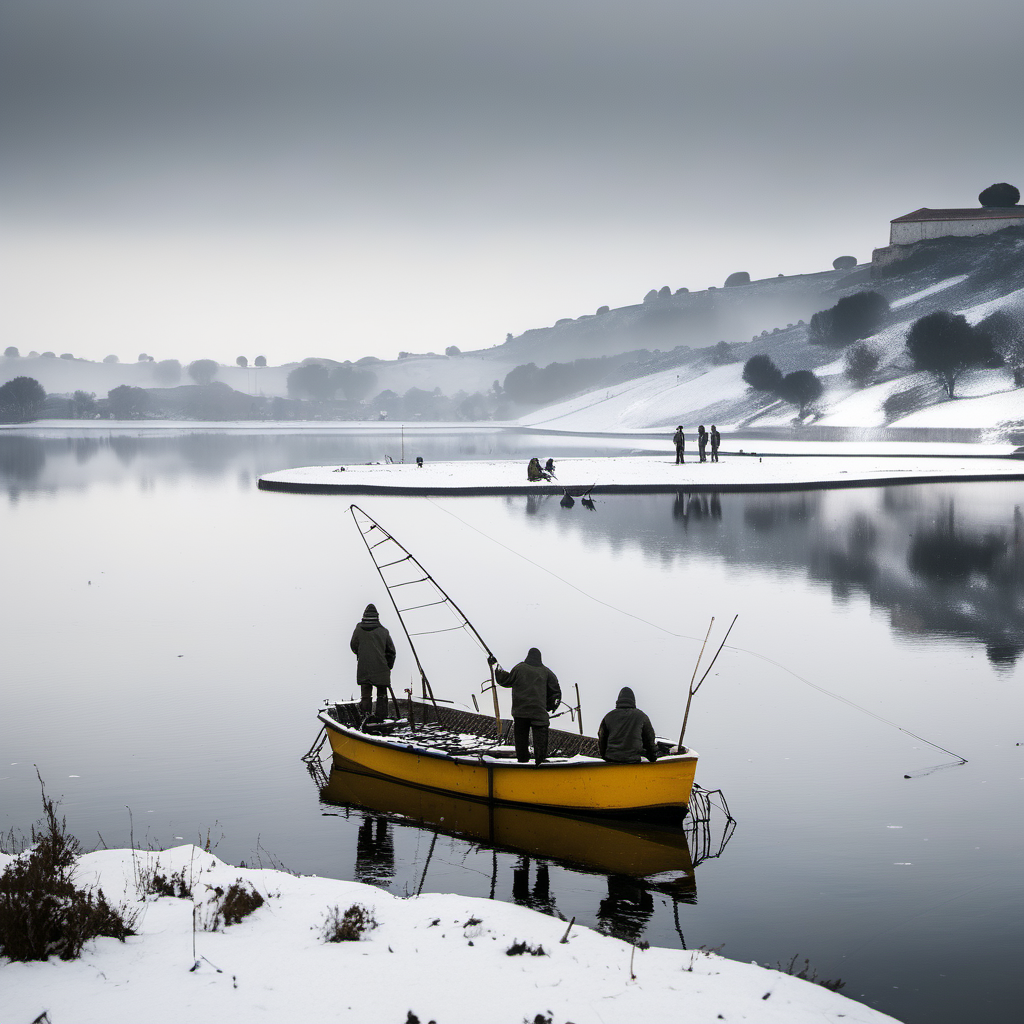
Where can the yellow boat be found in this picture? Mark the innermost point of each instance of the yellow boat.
(454, 751)
(428, 744)
(604, 846)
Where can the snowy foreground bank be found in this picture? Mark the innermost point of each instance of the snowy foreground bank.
(779, 466)
(441, 958)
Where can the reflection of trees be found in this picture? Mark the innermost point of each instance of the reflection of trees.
(375, 851)
(934, 574)
(21, 459)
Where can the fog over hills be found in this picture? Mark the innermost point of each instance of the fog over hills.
(662, 360)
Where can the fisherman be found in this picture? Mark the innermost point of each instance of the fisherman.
(549, 467)
(702, 442)
(375, 657)
(716, 440)
(534, 473)
(679, 440)
(535, 694)
(626, 732)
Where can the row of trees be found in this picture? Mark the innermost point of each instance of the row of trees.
(322, 383)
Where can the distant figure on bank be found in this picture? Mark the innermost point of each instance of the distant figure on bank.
(679, 440)
(702, 442)
(375, 657)
(534, 473)
(716, 440)
(549, 467)
(535, 694)
(626, 733)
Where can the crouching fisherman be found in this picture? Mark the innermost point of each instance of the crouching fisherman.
(375, 657)
(626, 732)
(535, 694)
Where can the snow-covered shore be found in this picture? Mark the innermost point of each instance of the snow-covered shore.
(442, 958)
(785, 465)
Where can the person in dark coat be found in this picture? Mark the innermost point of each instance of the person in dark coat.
(702, 442)
(716, 440)
(535, 694)
(679, 440)
(375, 657)
(534, 472)
(626, 732)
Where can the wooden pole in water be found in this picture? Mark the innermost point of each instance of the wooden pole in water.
(497, 711)
(694, 689)
(689, 697)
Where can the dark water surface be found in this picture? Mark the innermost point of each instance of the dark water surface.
(168, 632)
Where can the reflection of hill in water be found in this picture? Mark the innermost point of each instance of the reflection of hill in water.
(946, 560)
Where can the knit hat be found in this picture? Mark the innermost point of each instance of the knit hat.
(533, 657)
(370, 616)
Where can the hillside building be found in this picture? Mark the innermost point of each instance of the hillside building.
(980, 220)
(924, 224)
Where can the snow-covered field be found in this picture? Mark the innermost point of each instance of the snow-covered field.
(783, 464)
(440, 958)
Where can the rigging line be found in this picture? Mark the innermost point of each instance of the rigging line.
(561, 579)
(850, 703)
(686, 636)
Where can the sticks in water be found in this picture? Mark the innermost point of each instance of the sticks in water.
(694, 689)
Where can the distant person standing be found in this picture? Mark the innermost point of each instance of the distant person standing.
(375, 657)
(535, 694)
(716, 440)
(679, 440)
(702, 442)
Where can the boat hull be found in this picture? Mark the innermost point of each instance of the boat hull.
(580, 785)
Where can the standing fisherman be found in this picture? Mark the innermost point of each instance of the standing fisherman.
(375, 657)
(702, 442)
(679, 440)
(716, 440)
(535, 694)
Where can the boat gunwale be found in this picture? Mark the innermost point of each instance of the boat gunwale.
(478, 760)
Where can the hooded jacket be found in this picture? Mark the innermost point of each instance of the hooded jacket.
(535, 689)
(374, 650)
(626, 732)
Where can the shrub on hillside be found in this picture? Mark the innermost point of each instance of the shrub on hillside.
(852, 318)
(740, 277)
(1001, 194)
(202, 371)
(946, 345)
(844, 263)
(760, 373)
(1007, 333)
(167, 371)
(11, 352)
(861, 363)
(311, 380)
(801, 388)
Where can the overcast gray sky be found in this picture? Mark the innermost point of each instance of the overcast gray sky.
(296, 177)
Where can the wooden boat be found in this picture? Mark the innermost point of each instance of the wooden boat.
(448, 750)
(602, 846)
(454, 751)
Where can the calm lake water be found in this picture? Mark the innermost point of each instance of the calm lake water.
(169, 633)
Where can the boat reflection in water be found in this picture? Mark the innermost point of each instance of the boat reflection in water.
(637, 858)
